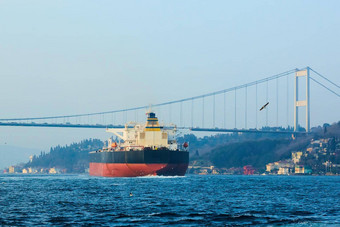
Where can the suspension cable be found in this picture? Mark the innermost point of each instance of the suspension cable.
(162, 104)
(325, 78)
(324, 86)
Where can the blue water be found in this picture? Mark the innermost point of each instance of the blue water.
(184, 201)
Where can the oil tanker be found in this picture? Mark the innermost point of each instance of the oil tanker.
(141, 150)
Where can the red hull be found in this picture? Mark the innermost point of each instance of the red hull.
(135, 170)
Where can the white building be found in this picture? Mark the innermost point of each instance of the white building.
(284, 170)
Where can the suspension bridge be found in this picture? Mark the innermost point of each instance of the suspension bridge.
(235, 109)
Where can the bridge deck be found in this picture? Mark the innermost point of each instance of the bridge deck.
(18, 124)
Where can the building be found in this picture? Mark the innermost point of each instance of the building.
(203, 172)
(24, 171)
(296, 156)
(214, 171)
(275, 166)
(11, 169)
(52, 171)
(285, 170)
(270, 167)
(299, 169)
(248, 170)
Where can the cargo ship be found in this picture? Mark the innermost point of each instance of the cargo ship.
(141, 150)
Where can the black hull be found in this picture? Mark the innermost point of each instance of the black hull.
(144, 156)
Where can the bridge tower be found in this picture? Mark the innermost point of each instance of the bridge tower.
(301, 103)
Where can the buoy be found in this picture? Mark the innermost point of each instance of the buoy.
(185, 145)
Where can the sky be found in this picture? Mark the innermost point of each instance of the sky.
(80, 56)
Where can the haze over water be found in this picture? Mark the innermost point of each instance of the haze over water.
(184, 201)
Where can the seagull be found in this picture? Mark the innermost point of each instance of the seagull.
(264, 106)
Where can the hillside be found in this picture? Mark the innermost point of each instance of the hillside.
(255, 153)
(71, 158)
(206, 144)
(258, 152)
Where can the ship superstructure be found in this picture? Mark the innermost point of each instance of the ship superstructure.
(148, 149)
(137, 136)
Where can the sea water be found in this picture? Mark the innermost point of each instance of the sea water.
(193, 200)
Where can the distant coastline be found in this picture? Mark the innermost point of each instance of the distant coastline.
(317, 153)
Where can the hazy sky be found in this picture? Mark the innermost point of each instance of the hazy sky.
(68, 57)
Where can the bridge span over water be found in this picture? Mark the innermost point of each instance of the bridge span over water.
(255, 107)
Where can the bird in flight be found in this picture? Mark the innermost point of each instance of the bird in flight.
(264, 106)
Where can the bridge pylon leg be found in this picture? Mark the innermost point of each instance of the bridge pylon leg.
(300, 103)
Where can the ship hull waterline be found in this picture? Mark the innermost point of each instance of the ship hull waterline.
(139, 163)
(137, 170)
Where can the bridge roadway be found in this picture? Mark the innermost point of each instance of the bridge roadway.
(67, 125)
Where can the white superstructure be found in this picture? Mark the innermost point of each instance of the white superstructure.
(150, 135)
